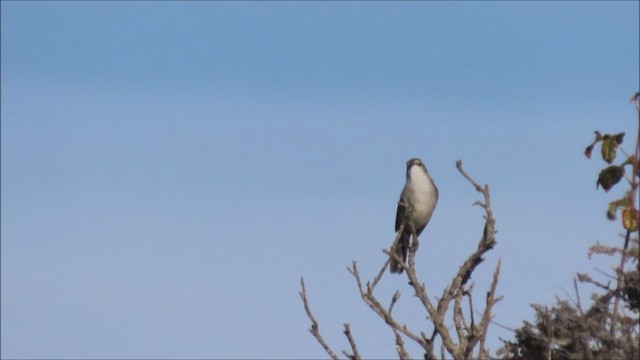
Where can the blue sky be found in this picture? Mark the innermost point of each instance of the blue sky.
(171, 169)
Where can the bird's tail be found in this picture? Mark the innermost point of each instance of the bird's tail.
(400, 249)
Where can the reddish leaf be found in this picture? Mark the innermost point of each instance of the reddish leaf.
(588, 150)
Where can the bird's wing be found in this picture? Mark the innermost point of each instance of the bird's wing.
(400, 213)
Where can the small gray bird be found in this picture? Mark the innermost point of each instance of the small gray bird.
(416, 205)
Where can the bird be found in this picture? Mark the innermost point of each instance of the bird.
(417, 202)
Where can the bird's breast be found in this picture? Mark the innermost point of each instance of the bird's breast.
(423, 195)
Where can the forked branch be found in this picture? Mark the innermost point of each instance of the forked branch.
(468, 336)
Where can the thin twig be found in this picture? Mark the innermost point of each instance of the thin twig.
(583, 319)
(369, 299)
(619, 281)
(375, 305)
(394, 300)
(380, 274)
(499, 324)
(458, 319)
(468, 293)
(491, 301)
(314, 324)
(400, 348)
(466, 176)
(402, 351)
(354, 349)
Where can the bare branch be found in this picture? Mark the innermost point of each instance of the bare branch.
(380, 273)
(468, 293)
(487, 242)
(354, 349)
(369, 299)
(620, 279)
(456, 289)
(468, 335)
(583, 319)
(457, 286)
(508, 328)
(486, 317)
(402, 352)
(314, 324)
(394, 300)
(375, 305)
(466, 176)
(582, 277)
(436, 317)
(458, 319)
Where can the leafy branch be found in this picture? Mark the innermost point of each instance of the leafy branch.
(627, 205)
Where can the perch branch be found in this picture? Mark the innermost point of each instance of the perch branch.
(468, 335)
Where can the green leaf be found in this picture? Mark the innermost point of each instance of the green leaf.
(609, 177)
(615, 205)
(610, 147)
(619, 137)
(611, 212)
(598, 135)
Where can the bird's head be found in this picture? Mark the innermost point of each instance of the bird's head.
(414, 161)
(417, 167)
